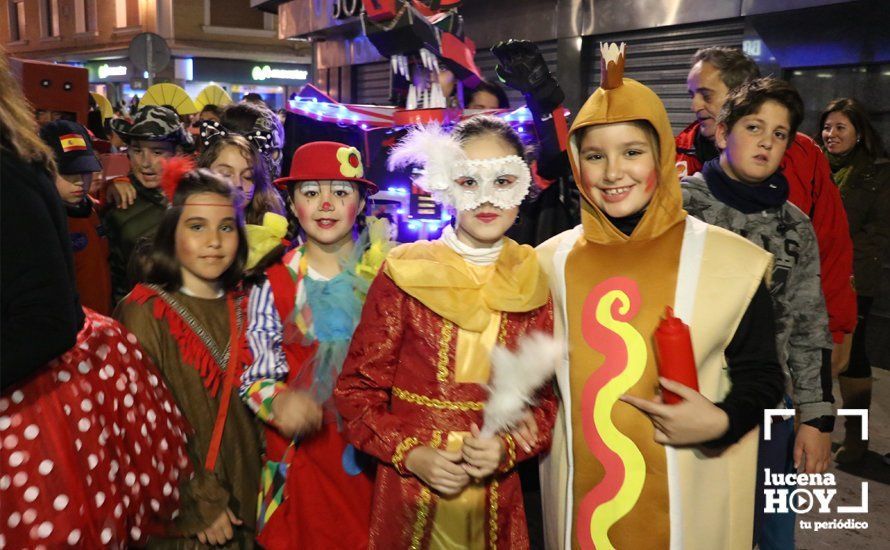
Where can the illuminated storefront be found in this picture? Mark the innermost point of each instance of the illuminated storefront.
(274, 81)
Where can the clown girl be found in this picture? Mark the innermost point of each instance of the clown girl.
(316, 489)
(412, 389)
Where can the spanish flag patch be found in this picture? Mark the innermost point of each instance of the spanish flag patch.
(73, 142)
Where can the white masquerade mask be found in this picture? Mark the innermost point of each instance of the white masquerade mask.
(502, 181)
(456, 181)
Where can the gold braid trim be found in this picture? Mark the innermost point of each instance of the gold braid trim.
(434, 403)
(511, 453)
(493, 514)
(436, 441)
(444, 346)
(399, 455)
(423, 513)
(502, 332)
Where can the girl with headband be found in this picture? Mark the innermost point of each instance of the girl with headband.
(190, 317)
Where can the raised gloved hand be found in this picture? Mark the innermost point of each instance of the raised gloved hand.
(522, 67)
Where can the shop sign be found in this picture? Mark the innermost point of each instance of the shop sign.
(105, 70)
(113, 70)
(234, 71)
(265, 72)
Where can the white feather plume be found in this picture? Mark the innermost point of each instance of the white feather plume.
(435, 150)
(516, 377)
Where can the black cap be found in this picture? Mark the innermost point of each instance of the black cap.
(72, 147)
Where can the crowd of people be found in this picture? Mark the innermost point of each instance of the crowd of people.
(208, 353)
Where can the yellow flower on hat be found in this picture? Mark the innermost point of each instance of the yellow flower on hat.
(350, 162)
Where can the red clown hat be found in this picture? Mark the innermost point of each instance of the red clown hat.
(327, 160)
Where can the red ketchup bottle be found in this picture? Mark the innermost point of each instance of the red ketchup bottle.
(676, 360)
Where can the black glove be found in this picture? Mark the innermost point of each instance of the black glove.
(522, 67)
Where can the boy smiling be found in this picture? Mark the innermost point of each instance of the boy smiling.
(745, 191)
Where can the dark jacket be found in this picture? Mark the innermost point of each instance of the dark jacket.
(41, 313)
(125, 228)
(866, 197)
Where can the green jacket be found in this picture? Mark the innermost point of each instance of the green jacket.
(126, 227)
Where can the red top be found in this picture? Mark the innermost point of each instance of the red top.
(91, 270)
(812, 190)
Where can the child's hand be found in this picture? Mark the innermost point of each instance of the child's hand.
(525, 434)
(812, 450)
(482, 456)
(296, 413)
(122, 193)
(693, 421)
(221, 530)
(438, 469)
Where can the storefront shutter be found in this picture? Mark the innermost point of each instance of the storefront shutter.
(660, 58)
(371, 80)
(371, 83)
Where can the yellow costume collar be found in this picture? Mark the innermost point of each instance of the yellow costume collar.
(433, 273)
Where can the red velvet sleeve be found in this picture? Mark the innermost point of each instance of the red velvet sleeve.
(363, 390)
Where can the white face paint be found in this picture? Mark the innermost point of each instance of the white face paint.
(502, 181)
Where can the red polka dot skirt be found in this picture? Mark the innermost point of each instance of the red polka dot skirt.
(92, 449)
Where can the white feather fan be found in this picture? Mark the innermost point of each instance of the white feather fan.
(516, 377)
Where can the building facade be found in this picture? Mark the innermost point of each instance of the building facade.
(219, 41)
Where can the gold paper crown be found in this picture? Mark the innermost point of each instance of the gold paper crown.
(611, 65)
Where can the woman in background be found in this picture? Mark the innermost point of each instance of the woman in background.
(861, 171)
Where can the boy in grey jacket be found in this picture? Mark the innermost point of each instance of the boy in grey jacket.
(745, 192)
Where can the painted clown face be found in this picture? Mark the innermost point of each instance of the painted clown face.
(327, 209)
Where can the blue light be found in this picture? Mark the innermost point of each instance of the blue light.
(521, 129)
(400, 211)
(364, 126)
(413, 225)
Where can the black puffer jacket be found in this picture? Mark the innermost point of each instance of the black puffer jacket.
(866, 196)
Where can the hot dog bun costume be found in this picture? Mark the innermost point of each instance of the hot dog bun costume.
(606, 483)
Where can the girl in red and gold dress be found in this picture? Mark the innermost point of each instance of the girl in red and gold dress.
(413, 386)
